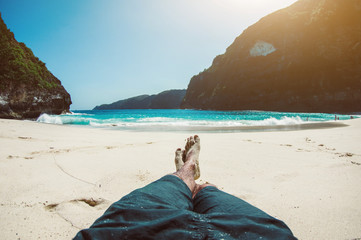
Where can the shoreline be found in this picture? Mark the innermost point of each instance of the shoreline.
(57, 179)
(189, 121)
(234, 129)
(214, 129)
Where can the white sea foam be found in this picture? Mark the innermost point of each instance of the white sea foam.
(95, 124)
(81, 119)
(63, 119)
(231, 123)
(45, 118)
(78, 114)
(273, 121)
(156, 119)
(149, 122)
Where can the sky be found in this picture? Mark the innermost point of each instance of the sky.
(105, 51)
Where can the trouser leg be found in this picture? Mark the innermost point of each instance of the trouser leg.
(160, 210)
(169, 192)
(231, 217)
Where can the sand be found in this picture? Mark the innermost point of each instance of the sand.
(55, 180)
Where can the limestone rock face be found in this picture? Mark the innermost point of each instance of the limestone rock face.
(27, 88)
(306, 57)
(170, 99)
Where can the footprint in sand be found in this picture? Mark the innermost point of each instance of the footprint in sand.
(73, 211)
(36, 152)
(24, 138)
(345, 154)
(286, 145)
(110, 147)
(143, 176)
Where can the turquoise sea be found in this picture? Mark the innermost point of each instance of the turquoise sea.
(153, 119)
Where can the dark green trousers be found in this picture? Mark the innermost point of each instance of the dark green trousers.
(165, 209)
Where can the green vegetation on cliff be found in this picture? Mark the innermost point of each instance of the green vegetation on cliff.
(27, 87)
(18, 63)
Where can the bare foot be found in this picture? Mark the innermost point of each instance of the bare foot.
(178, 159)
(186, 172)
(187, 163)
(191, 153)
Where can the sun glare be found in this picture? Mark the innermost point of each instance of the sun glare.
(255, 5)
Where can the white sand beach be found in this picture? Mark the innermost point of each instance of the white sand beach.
(56, 180)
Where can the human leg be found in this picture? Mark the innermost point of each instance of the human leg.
(227, 214)
(189, 171)
(160, 210)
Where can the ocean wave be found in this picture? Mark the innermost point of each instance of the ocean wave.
(202, 123)
(273, 121)
(64, 119)
(45, 118)
(163, 121)
(78, 114)
(157, 119)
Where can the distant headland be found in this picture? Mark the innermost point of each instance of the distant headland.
(170, 99)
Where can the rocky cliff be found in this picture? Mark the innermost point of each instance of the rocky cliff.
(306, 57)
(27, 88)
(170, 99)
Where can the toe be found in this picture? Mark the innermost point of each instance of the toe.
(178, 151)
(187, 145)
(191, 140)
